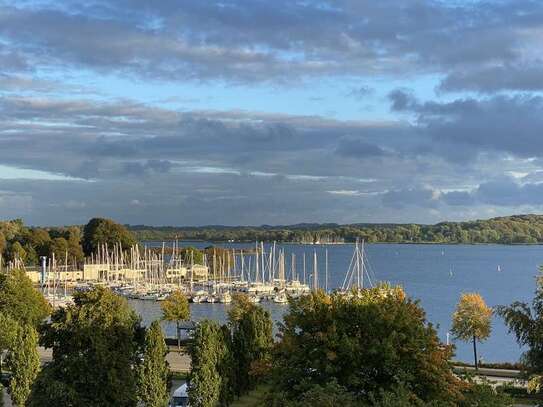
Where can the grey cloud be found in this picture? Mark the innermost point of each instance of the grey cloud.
(257, 41)
(463, 128)
(422, 197)
(356, 148)
(458, 198)
(492, 79)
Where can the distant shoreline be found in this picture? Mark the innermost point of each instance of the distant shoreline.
(215, 241)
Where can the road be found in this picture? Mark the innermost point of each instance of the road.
(179, 362)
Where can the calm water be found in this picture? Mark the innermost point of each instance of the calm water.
(434, 274)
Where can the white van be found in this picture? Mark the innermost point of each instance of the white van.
(180, 397)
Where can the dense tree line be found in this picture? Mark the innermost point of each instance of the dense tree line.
(71, 243)
(505, 230)
(230, 360)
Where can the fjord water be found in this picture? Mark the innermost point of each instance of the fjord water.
(434, 274)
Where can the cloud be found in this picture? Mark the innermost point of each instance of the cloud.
(430, 156)
(421, 197)
(463, 128)
(262, 42)
(357, 148)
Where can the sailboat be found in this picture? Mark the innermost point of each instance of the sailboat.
(357, 274)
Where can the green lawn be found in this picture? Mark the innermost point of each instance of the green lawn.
(253, 399)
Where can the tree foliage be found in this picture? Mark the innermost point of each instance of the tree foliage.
(370, 341)
(472, 320)
(205, 351)
(526, 323)
(8, 332)
(96, 343)
(20, 300)
(175, 308)
(504, 230)
(154, 371)
(100, 231)
(24, 363)
(252, 342)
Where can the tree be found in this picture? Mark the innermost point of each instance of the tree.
(101, 231)
(20, 300)
(8, 334)
(96, 344)
(75, 251)
(16, 252)
(205, 378)
(39, 240)
(370, 341)
(527, 325)
(472, 320)
(2, 243)
(154, 372)
(175, 308)
(58, 248)
(24, 364)
(252, 342)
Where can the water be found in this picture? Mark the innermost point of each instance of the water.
(434, 274)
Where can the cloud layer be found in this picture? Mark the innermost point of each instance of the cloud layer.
(101, 96)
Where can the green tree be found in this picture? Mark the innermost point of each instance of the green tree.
(527, 325)
(96, 343)
(472, 320)
(8, 334)
(24, 364)
(328, 395)
(101, 231)
(370, 341)
(58, 247)
(154, 372)
(175, 308)
(20, 300)
(3, 243)
(252, 342)
(205, 378)
(226, 367)
(16, 252)
(39, 240)
(75, 251)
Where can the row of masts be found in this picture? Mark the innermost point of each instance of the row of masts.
(140, 271)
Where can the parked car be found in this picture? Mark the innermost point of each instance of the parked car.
(180, 397)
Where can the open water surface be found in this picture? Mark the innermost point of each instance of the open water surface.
(434, 274)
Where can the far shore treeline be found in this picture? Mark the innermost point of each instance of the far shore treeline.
(28, 243)
(517, 229)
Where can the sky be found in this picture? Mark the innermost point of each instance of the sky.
(249, 112)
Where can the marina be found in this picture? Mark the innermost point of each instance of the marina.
(269, 273)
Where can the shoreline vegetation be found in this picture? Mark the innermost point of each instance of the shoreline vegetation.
(509, 230)
(27, 243)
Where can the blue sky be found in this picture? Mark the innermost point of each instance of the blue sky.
(258, 112)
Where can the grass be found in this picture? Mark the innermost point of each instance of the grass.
(255, 398)
(179, 375)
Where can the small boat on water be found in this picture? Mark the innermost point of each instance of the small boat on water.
(280, 298)
(255, 298)
(212, 298)
(225, 298)
(199, 296)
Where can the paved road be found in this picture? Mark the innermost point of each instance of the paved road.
(179, 362)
